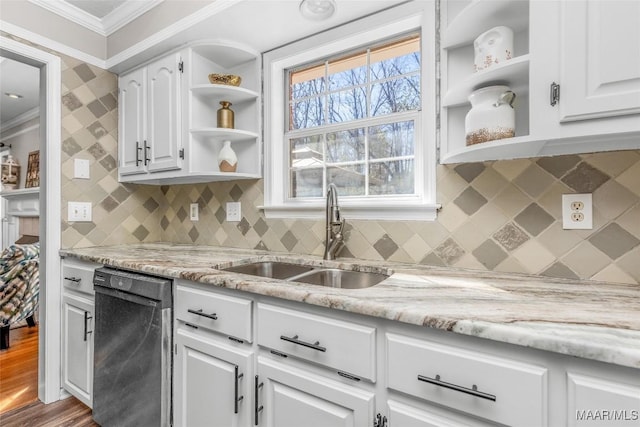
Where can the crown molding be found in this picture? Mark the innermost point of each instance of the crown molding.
(46, 42)
(20, 119)
(112, 22)
(126, 13)
(170, 31)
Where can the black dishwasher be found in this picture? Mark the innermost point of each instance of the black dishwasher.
(132, 349)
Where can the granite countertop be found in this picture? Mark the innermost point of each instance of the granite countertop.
(592, 320)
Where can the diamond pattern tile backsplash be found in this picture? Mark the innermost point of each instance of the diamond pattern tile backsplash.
(499, 216)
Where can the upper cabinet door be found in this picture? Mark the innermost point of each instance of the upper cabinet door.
(600, 59)
(131, 125)
(163, 114)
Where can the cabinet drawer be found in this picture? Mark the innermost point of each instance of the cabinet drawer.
(494, 388)
(78, 276)
(333, 343)
(227, 315)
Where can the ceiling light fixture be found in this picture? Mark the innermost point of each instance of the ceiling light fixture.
(317, 10)
(13, 95)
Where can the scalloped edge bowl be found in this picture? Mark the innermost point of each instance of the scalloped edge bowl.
(225, 79)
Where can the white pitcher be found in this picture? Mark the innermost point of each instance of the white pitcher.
(491, 116)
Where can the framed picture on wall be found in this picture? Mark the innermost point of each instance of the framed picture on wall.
(33, 170)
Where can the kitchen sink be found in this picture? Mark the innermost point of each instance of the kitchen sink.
(335, 278)
(272, 269)
(331, 277)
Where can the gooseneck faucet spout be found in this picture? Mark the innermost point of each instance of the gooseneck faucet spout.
(334, 224)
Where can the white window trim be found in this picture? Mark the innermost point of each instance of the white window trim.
(384, 25)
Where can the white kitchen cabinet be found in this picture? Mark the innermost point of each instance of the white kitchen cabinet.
(291, 397)
(402, 414)
(600, 59)
(213, 381)
(150, 119)
(595, 401)
(77, 350)
(77, 329)
(180, 140)
(314, 366)
(586, 48)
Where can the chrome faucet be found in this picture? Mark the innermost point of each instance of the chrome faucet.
(334, 224)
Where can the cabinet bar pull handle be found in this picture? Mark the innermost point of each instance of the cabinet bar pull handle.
(238, 340)
(146, 154)
(316, 345)
(472, 391)
(237, 398)
(86, 321)
(138, 150)
(348, 376)
(212, 316)
(554, 94)
(257, 407)
(73, 279)
(190, 325)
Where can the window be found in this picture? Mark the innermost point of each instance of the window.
(356, 111)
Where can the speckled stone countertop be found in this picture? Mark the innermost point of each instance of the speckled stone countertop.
(598, 321)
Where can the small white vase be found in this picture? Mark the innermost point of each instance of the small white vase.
(227, 159)
(491, 116)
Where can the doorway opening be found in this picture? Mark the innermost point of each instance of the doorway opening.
(49, 66)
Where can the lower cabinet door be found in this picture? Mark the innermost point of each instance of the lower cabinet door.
(403, 415)
(212, 382)
(77, 347)
(289, 397)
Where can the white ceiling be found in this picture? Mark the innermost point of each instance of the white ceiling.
(21, 79)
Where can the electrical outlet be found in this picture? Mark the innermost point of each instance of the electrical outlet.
(78, 212)
(193, 212)
(233, 212)
(577, 211)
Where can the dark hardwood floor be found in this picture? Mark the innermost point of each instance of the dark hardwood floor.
(19, 404)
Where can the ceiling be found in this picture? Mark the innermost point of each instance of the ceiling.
(102, 16)
(21, 79)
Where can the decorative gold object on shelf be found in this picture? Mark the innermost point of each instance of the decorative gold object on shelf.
(225, 115)
(225, 79)
(10, 173)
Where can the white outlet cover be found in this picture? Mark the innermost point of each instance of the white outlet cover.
(193, 212)
(234, 212)
(567, 212)
(81, 169)
(79, 212)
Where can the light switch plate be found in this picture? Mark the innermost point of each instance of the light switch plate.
(81, 169)
(79, 212)
(193, 212)
(233, 212)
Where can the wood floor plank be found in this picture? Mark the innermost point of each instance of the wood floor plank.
(19, 404)
(19, 369)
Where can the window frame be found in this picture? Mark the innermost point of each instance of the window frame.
(418, 16)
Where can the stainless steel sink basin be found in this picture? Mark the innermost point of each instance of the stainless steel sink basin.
(331, 277)
(272, 269)
(345, 279)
